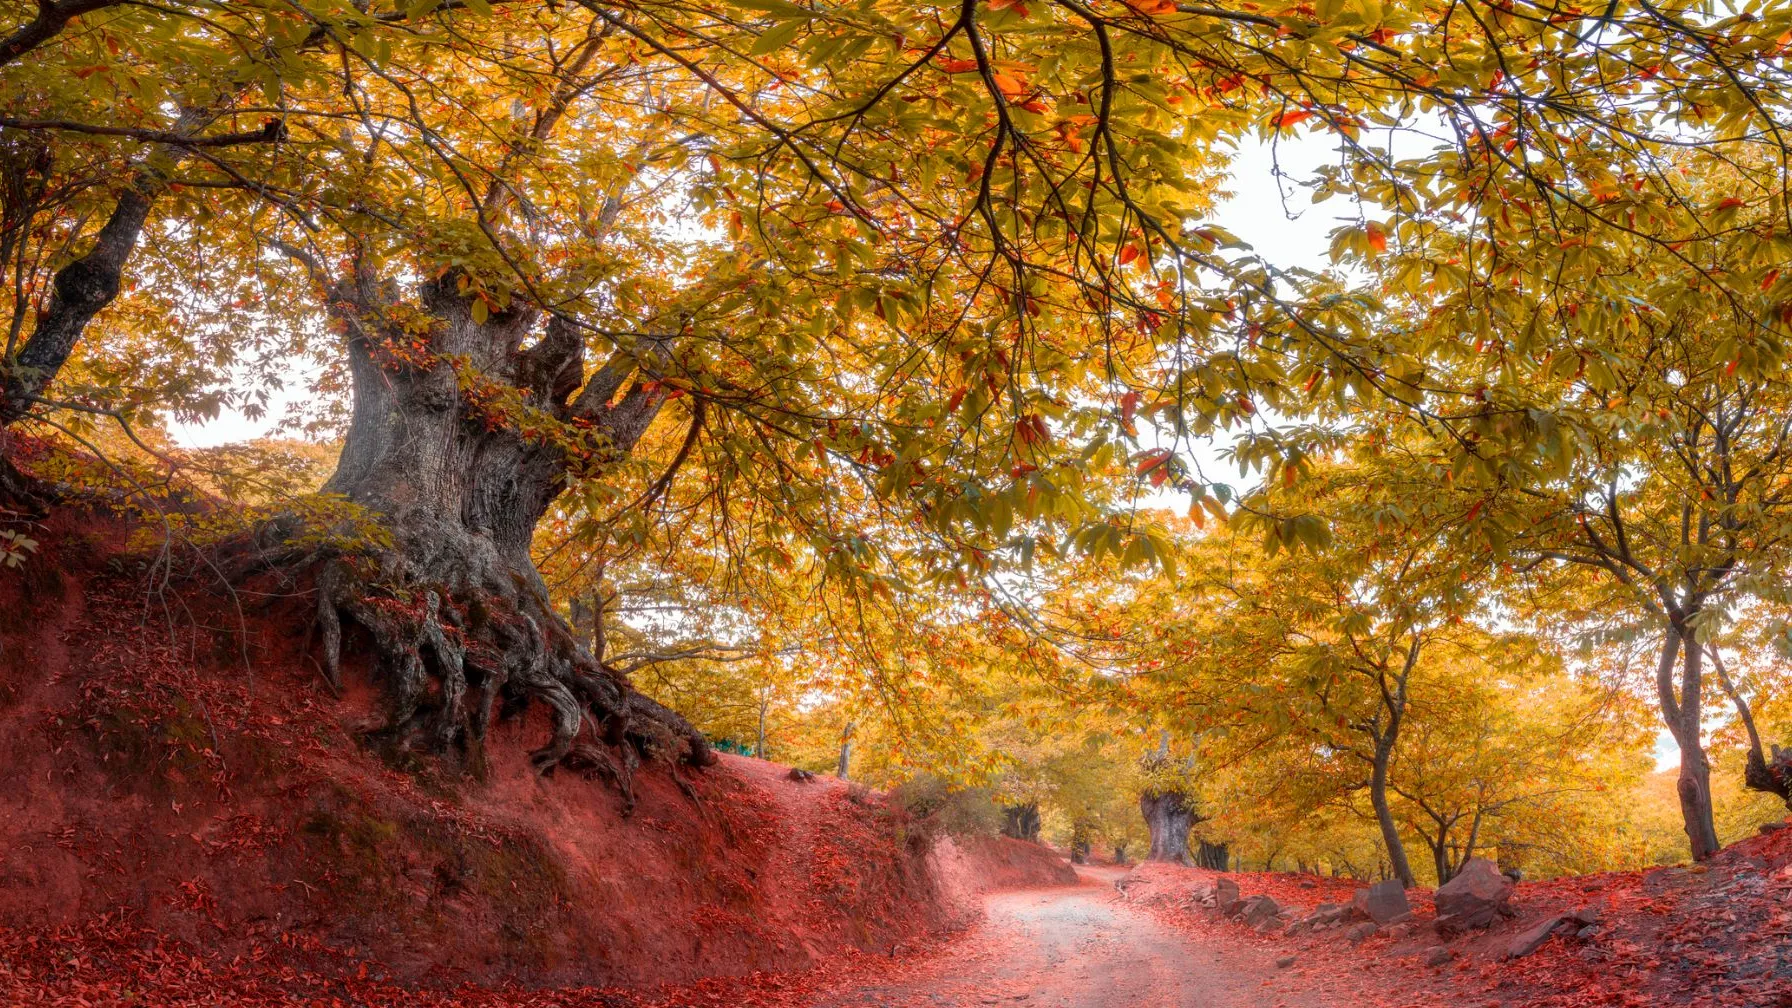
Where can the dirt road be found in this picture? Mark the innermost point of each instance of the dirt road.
(1080, 947)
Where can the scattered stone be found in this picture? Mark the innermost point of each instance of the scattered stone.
(1399, 931)
(1295, 929)
(1362, 931)
(799, 774)
(1308, 883)
(1587, 932)
(1256, 910)
(1587, 915)
(1225, 896)
(1381, 902)
(1475, 898)
(1531, 940)
(1438, 956)
(1285, 962)
(1327, 913)
(1773, 827)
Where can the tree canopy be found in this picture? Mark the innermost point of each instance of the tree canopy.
(799, 363)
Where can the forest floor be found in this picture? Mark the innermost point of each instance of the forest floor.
(1076, 947)
(1710, 936)
(175, 832)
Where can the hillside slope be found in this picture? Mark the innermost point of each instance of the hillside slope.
(176, 824)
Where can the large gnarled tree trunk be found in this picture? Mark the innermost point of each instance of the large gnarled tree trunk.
(455, 600)
(1169, 818)
(1021, 821)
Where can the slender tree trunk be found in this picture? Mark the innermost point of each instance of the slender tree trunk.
(1694, 785)
(759, 743)
(1772, 775)
(1682, 714)
(1080, 843)
(845, 763)
(78, 292)
(1168, 817)
(81, 289)
(1384, 814)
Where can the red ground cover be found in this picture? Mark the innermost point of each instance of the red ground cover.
(179, 828)
(1710, 936)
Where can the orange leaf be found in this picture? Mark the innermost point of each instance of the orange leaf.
(1152, 460)
(1129, 406)
(1378, 237)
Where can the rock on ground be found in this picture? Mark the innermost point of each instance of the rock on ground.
(1475, 898)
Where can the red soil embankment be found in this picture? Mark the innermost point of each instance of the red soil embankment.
(177, 828)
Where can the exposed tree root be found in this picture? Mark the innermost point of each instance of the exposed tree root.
(23, 493)
(460, 635)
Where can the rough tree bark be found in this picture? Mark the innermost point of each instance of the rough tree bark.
(1168, 817)
(455, 600)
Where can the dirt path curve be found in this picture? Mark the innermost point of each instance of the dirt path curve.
(1077, 947)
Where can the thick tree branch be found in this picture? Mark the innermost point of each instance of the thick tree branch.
(272, 131)
(51, 19)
